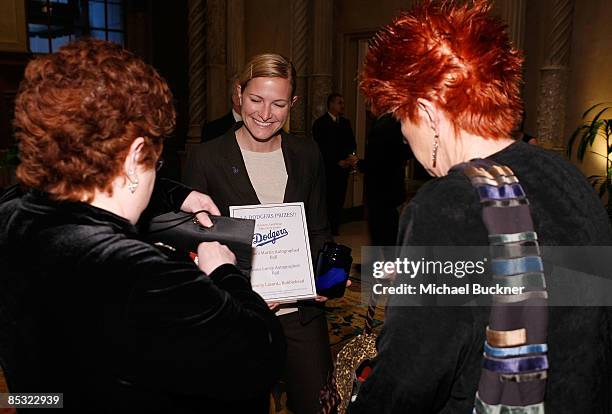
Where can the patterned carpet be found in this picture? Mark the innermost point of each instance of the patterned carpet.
(346, 316)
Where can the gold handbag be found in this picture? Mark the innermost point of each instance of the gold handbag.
(343, 382)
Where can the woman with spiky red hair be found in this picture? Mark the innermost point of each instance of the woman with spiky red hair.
(447, 71)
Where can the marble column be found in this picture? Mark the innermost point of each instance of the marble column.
(236, 41)
(299, 53)
(217, 103)
(552, 100)
(197, 71)
(321, 76)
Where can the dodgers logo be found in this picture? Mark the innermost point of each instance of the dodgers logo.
(259, 239)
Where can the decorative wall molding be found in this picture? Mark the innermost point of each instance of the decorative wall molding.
(554, 77)
(236, 39)
(299, 53)
(560, 36)
(197, 69)
(217, 103)
(321, 76)
(513, 13)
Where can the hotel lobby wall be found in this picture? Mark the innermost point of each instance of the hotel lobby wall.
(590, 64)
(14, 55)
(354, 19)
(591, 69)
(268, 27)
(537, 25)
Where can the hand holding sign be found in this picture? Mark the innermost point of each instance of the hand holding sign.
(282, 269)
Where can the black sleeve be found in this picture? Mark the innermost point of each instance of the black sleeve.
(195, 334)
(326, 146)
(316, 131)
(168, 195)
(425, 363)
(11, 193)
(316, 208)
(206, 131)
(352, 144)
(428, 357)
(194, 174)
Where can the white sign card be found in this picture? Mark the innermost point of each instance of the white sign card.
(282, 268)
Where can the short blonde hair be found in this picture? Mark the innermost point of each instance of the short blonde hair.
(268, 65)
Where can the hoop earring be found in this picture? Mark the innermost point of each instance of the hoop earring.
(434, 153)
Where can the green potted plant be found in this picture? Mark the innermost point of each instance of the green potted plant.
(600, 127)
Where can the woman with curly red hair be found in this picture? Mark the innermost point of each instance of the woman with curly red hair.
(90, 310)
(447, 71)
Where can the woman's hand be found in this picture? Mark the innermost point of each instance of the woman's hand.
(345, 163)
(211, 255)
(325, 298)
(196, 201)
(273, 306)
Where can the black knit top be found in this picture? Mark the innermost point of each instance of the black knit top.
(430, 358)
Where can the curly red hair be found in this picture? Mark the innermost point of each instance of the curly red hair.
(77, 113)
(455, 55)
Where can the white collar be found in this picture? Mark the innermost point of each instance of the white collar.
(236, 115)
(334, 118)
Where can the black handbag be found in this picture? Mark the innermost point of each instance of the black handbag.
(182, 233)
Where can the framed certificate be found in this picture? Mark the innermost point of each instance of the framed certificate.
(282, 269)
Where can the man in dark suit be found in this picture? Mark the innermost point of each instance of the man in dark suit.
(220, 126)
(336, 141)
(384, 169)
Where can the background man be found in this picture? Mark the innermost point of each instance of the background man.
(384, 169)
(220, 126)
(335, 137)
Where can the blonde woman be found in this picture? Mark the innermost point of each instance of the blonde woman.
(257, 162)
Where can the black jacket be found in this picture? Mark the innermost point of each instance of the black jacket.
(430, 358)
(119, 326)
(218, 127)
(384, 165)
(217, 168)
(336, 141)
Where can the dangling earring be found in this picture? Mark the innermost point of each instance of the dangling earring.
(133, 182)
(434, 153)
